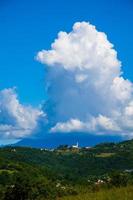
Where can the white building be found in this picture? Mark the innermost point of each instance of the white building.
(76, 146)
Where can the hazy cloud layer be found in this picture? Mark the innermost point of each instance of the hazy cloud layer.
(16, 120)
(85, 85)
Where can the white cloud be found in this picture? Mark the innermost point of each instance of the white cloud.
(83, 48)
(16, 120)
(98, 125)
(80, 78)
(122, 89)
(72, 125)
(86, 89)
(129, 109)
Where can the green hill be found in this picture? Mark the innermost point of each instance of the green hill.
(52, 174)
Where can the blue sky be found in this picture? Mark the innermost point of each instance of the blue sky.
(29, 26)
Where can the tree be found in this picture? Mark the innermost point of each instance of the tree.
(21, 189)
(119, 179)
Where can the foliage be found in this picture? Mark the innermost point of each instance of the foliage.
(125, 193)
(40, 174)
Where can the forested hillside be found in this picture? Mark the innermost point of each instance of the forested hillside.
(41, 174)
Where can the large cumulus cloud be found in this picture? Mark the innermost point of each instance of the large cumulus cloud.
(16, 120)
(85, 85)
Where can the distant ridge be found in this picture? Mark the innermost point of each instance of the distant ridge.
(56, 139)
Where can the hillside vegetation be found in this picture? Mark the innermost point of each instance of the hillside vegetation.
(125, 193)
(102, 172)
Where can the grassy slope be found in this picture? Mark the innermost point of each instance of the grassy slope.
(125, 193)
